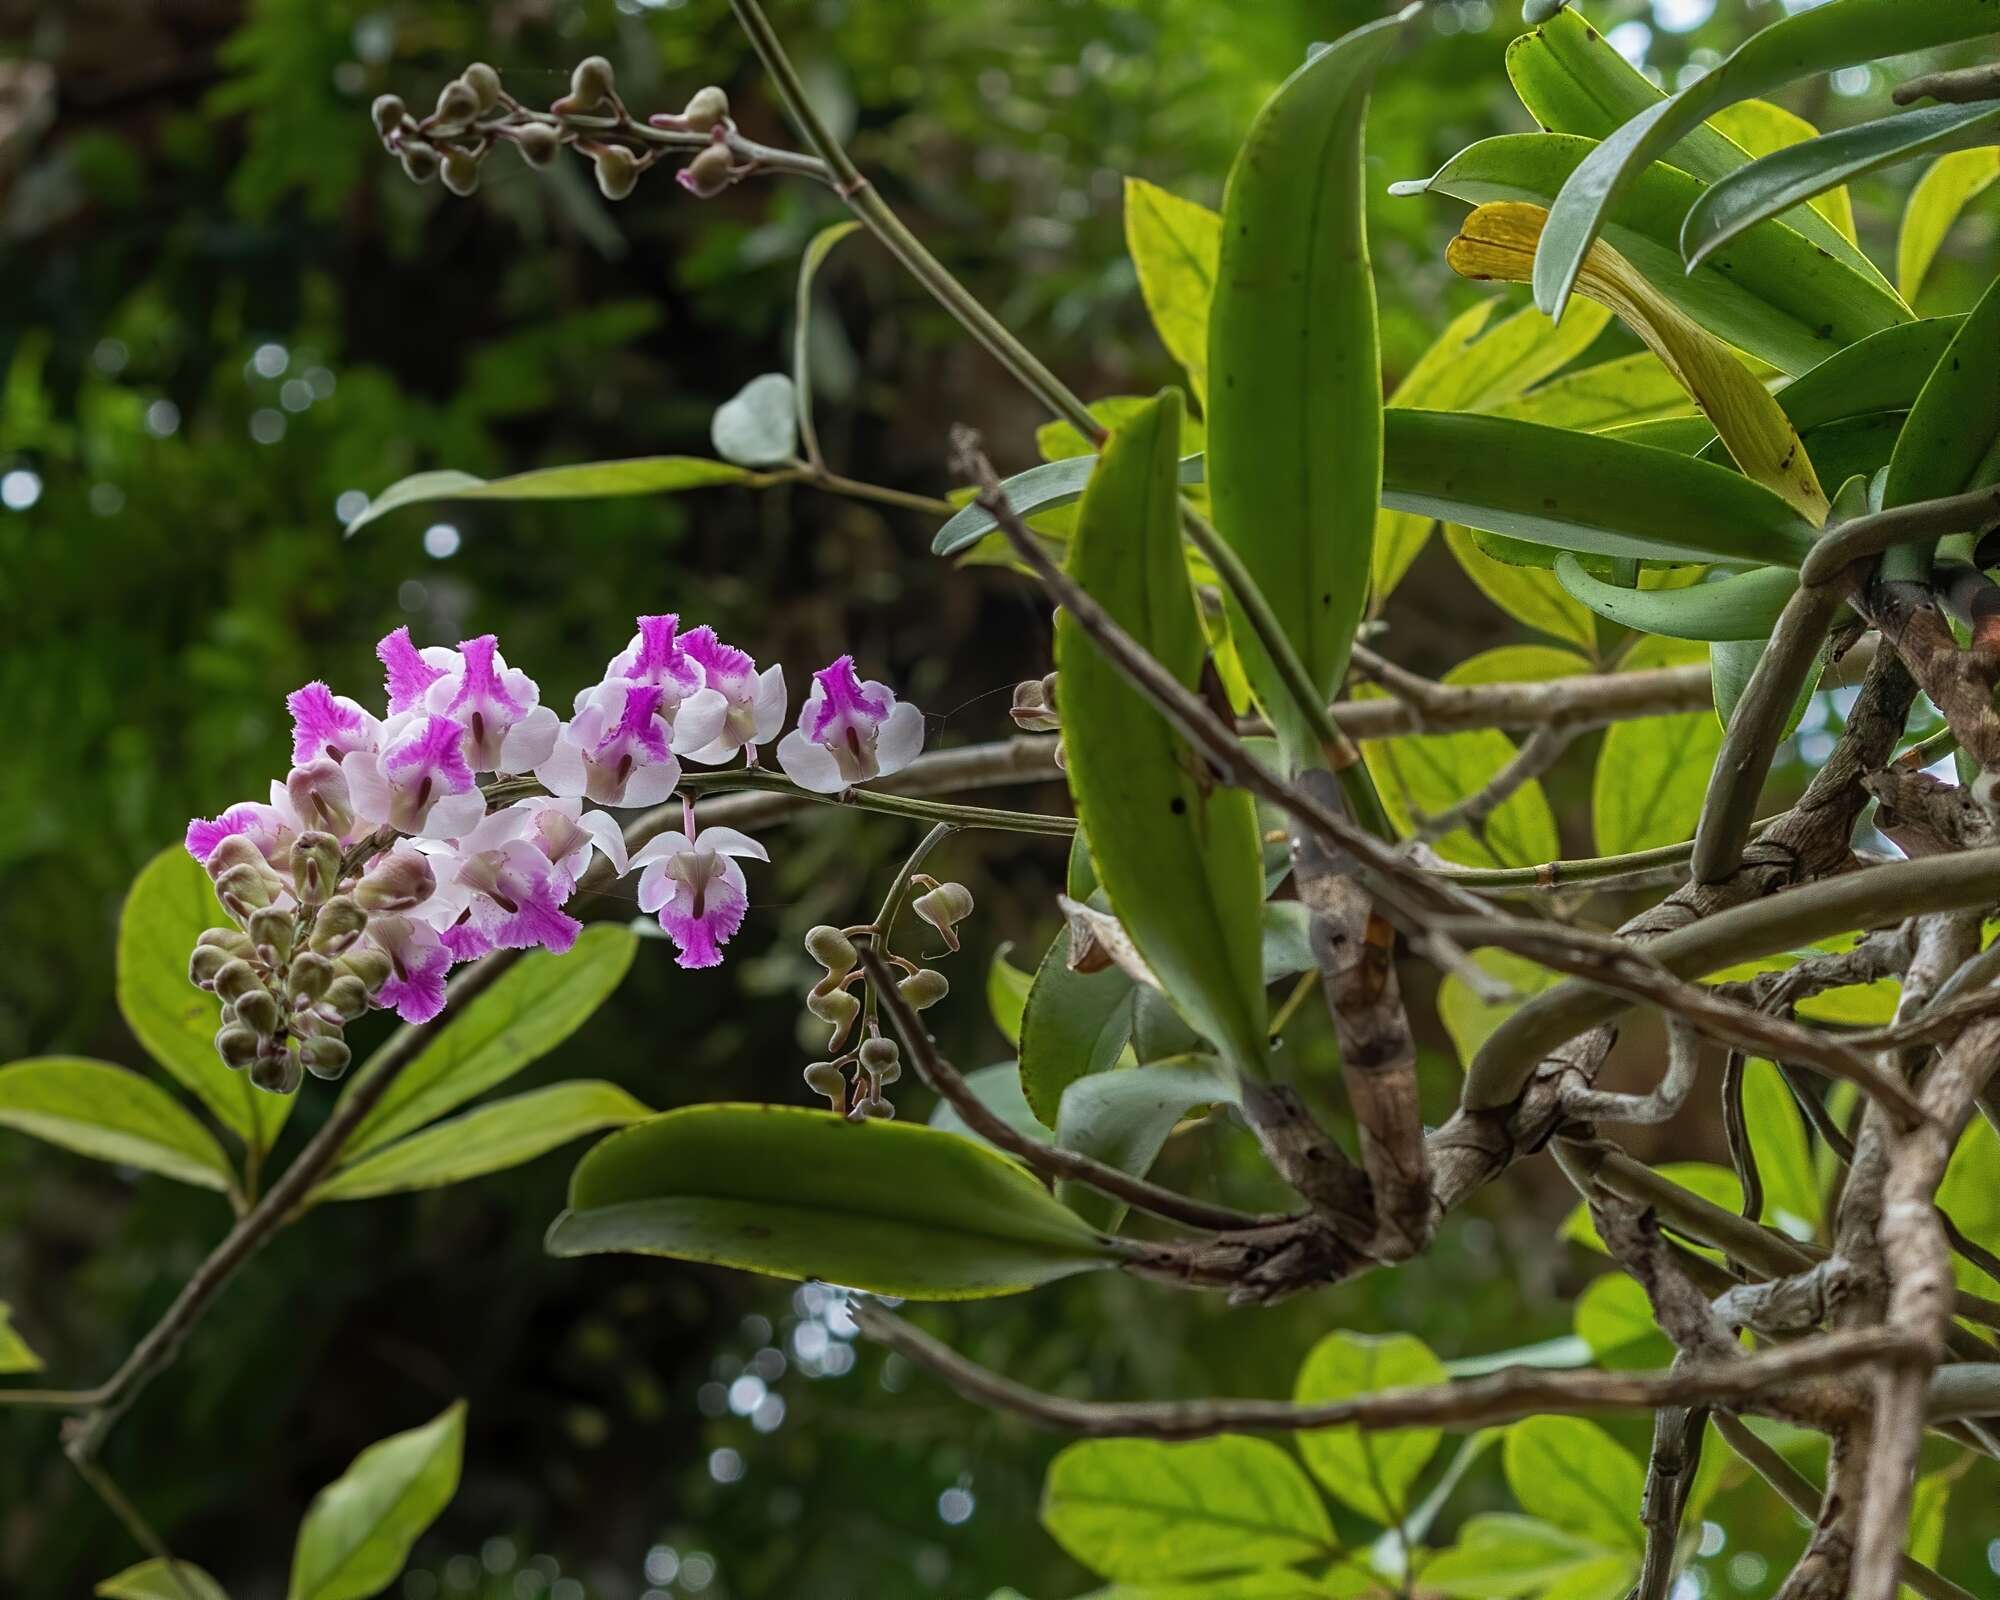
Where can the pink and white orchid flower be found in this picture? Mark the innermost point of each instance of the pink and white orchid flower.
(849, 731)
(698, 891)
(418, 962)
(269, 828)
(617, 749)
(497, 890)
(507, 728)
(410, 673)
(571, 836)
(418, 782)
(327, 726)
(755, 700)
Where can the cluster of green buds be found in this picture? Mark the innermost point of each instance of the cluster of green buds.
(293, 968)
(1034, 709)
(475, 114)
(852, 1080)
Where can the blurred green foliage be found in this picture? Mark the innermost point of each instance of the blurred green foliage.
(224, 311)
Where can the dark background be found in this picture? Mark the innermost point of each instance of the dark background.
(184, 183)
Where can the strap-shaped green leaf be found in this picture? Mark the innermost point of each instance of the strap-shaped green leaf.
(1745, 606)
(1770, 185)
(110, 1114)
(1951, 184)
(1773, 292)
(889, 1207)
(1122, 1118)
(358, 1532)
(1295, 402)
(1174, 245)
(1176, 853)
(1951, 442)
(1573, 80)
(591, 480)
(1840, 33)
(161, 1580)
(1074, 1024)
(489, 1138)
(532, 1009)
(170, 903)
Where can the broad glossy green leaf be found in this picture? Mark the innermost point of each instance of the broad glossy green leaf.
(1951, 442)
(758, 426)
(158, 1580)
(1295, 417)
(1772, 292)
(1615, 1320)
(1007, 989)
(1373, 1473)
(1574, 80)
(526, 1014)
(1884, 372)
(1784, 1160)
(1528, 594)
(1122, 1118)
(1176, 854)
(1074, 1024)
(1575, 1475)
(1744, 606)
(1760, 128)
(1174, 245)
(1584, 492)
(889, 1207)
(490, 1138)
(1137, 1509)
(358, 1532)
(998, 1088)
(816, 252)
(593, 480)
(1840, 33)
(1776, 182)
(1500, 1555)
(110, 1114)
(1951, 184)
(15, 1354)
(170, 903)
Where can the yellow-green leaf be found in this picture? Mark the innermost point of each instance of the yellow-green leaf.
(1784, 1160)
(1760, 127)
(1174, 245)
(157, 1580)
(490, 1138)
(1527, 594)
(1469, 1019)
(170, 903)
(1941, 195)
(1374, 1473)
(594, 480)
(110, 1114)
(1577, 1476)
(358, 1531)
(15, 1354)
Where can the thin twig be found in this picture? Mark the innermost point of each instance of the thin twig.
(1540, 751)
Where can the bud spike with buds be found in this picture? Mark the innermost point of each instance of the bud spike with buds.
(924, 989)
(617, 170)
(484, 83)
(709, 106)
(593, 89)
(944, 907)
(709, 173)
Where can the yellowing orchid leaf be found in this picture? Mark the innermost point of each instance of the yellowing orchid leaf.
(1498, 242)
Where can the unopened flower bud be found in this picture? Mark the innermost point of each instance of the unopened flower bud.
(708, 174)
(243, 890)
(234, 851)
(944, 908)
(308, 976)
(273, 930)
(1034, 707)
(538, 143)
(837, 1008)
(319, 794)
(457, 105)
(591, 87)
(237, 1046)
(338, 925)
(232, 940)
(461, 172)
(709, 106)
(347, 996)
(206, 961)
(398, 881)
(388, 113)
(827, 1080)
(484, 83)
(277, 1072)
(420, 162)
(326, 1056)
(370, 965)
(881, 1060)
(832, 949)
(617, 170)
(872, 1108)
(236, 978)
(258, 1010)
(316, 860)
(922, 990)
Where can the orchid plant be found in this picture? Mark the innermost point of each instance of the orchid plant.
(1791, 460)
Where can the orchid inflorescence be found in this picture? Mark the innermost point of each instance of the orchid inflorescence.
(402, 844)
(475, 114)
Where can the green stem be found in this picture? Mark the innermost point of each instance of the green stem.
(738, 779)
(1591, 870)
(892, 904)
(854, 489)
